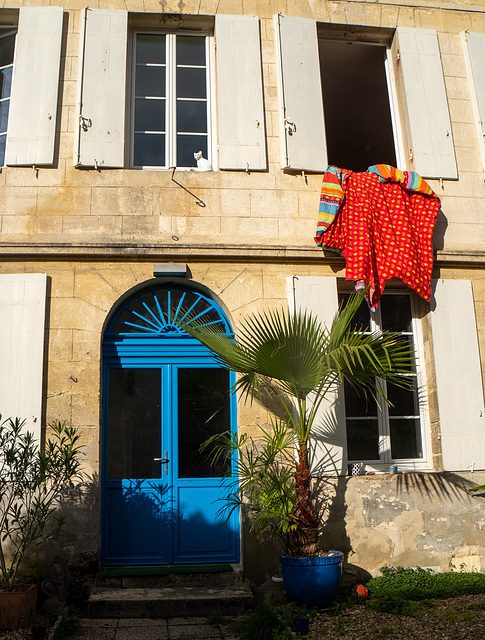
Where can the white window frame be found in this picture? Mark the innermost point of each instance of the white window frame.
(171, 99)
(4, 34)
(414, 464)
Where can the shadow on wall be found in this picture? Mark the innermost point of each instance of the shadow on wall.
(81, 505)
(443, 486)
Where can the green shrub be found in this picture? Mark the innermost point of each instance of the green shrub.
(420, 584)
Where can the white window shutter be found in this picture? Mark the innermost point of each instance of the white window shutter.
(22, 318)
(431, 139)
(318, 295)
(102, 89)
(474, 54)
(299, 85)
(240, 112)
(458, 376)
(33, 102)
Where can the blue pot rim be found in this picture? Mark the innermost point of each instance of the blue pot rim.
(335, 558)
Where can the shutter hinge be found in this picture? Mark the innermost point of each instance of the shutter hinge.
(85, 123)
(290, 127)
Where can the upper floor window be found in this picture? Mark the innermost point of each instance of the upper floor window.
(364, 74)
(7, 45)
(379, 433)
(170, 99)
(358, 112)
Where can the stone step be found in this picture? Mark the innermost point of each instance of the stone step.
(169, 602)
(170, 576)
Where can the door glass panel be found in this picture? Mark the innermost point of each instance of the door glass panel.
(203, 411)
(134, 423)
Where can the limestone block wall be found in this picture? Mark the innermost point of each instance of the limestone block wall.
(97, 233)
(76, 207)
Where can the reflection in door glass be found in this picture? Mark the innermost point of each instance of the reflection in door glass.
(134, 428)
(203, 411)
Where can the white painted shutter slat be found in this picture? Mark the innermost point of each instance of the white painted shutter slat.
(458, 376)
(22, 318)
(102, 86)
(432, 149)
(474, 53)
(299, 85)
(318, 295)
(33, 102)
(241, 129)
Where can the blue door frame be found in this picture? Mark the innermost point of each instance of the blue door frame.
(161, 391)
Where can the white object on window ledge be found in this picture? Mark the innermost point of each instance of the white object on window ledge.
(202, 163)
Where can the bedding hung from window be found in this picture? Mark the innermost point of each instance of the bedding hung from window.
(381, 221)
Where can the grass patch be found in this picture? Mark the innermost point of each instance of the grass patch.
(398, 583)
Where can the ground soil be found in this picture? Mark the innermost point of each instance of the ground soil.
(460, 618)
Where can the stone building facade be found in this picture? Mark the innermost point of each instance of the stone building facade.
(101, 200)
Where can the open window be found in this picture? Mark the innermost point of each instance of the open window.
(358, 113)
(399, 86)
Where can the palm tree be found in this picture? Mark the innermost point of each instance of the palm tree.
(296, 360)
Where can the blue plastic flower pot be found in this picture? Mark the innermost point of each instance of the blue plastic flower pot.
(312, 582)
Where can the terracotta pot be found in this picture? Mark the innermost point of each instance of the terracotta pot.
(17, 607)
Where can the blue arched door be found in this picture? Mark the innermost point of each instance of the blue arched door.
(163, 395)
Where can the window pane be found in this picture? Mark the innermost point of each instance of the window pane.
(150, 81)
(150, 48)
(149, 115)
(4, 115)
(405, 439)
(203, 411)
(191, 83)
(404, 401)
(357, 405)
(7, 45)
(396, 313)
(3, 139)
(134, 423)
(191, 116)
(361, 320)
(187, 146)
(149, 150)
(362, 440)
(191, 50)
(5, 82)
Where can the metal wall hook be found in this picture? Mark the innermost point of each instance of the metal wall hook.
(200, 202)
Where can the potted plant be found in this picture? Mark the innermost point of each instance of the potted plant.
(32, 482)
(293, 361)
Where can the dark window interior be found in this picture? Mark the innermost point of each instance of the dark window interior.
(356, 104)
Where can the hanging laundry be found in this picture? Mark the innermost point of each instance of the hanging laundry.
(382, 222)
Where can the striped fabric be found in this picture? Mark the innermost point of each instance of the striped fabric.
(331, 197)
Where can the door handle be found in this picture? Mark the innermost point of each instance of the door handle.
(164, 461)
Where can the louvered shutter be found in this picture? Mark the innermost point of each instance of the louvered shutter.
(474, 53)
(458, 376)
(33, 102)
(102, 89)
(418, 67)
(299, 85)
(22, 319)
(240, 113)
(319, 296)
